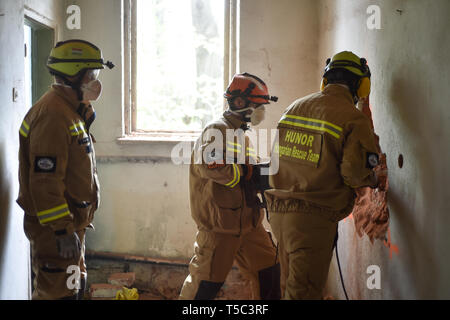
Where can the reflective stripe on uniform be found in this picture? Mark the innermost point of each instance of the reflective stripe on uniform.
(236, 177)
(314, 124)
(251, 152)
(234, 144)
(53, 214)
(77, 129)
(24, 129)
(234, 147)
(233, 150)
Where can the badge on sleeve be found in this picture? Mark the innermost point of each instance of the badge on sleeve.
(372, 160)
(45, 164)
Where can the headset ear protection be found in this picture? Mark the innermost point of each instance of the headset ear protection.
(324, 82)
(363, 90)
(363, 86)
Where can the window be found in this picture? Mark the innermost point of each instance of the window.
(177, 67)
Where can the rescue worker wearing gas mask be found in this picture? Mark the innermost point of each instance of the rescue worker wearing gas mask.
(59, 188)
(224, 204)
(326, 149)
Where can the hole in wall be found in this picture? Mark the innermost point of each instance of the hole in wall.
(400, 161)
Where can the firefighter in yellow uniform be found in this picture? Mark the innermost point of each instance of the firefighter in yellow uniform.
(224, 203)
(59, 189)
(326, 149)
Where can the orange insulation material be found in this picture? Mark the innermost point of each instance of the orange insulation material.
(371, 212)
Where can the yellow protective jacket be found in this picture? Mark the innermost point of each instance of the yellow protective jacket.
(217, 196)
(57, 170)
(325, 145)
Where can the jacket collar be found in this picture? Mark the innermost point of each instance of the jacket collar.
(235, 120)
(86, 112)
(338, 90)
(70, 98)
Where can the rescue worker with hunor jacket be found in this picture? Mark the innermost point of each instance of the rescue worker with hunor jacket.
(59, 189)
(224, 202)
(326, 149)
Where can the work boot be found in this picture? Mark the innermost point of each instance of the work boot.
(207, 290)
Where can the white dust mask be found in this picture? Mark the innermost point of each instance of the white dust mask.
(258, 115)
(91, 90)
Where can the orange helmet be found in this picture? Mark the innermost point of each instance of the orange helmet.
(250, 88)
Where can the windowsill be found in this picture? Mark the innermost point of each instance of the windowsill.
(154, 137)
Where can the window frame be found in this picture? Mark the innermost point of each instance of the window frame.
(130, 132)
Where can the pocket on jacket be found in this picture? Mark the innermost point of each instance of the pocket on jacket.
(226, 197)
(229, 219)
(82, 214)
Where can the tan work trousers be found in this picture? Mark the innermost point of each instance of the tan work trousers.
(50, 270)
(305, 245)
(214, 254)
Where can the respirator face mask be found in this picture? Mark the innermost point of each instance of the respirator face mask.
(93, 89)
(256, 116)
(89, 91)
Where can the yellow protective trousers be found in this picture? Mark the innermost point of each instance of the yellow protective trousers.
(305, 246)
(51, 273)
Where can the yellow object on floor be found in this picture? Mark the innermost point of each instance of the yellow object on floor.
(127, 294)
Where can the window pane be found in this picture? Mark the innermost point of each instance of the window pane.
(179, 63)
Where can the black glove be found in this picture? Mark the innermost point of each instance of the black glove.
(260, 181)
(69, 246)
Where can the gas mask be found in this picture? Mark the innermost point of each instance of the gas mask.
(91, 90)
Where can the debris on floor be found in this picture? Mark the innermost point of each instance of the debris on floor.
(117, 282)
(154, 281)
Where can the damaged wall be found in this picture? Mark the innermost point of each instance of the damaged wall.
(14, 247)
(278, 43)
(13, 244)
(409, 102)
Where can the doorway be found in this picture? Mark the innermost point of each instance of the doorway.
(39, 40)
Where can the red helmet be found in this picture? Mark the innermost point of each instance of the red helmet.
(250, 88)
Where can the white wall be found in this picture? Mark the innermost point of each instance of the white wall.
(409, 99)
(278, 42)
(14, 247)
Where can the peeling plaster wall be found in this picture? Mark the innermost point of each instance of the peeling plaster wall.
(409, 102)
(144, 210)
(278, 42)
(14, 247)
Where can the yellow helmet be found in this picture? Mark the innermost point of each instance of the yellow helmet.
(347, 60)
(69, 58)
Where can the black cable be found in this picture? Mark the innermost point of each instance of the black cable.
(339, 265)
